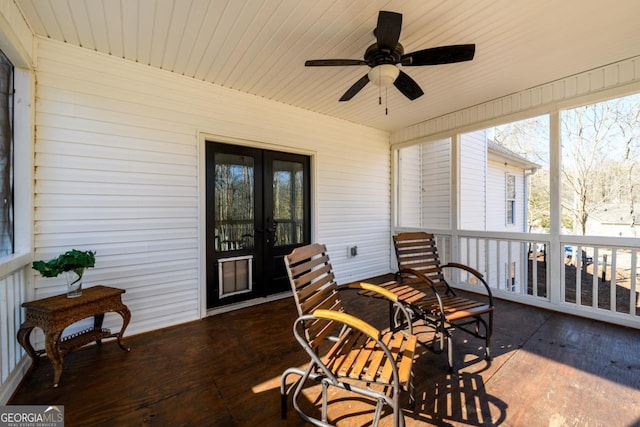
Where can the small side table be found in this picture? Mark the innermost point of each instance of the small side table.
(54, 314)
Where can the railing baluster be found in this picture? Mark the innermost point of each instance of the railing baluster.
(12, 295)
(578, 259)
(633, 283)
(594, 277)
(534, 269)
(613, 279)
(494, 254)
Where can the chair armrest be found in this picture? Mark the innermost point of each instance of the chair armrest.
(429, 282)
(464, 267)
(349, 320)
(476, 273)
(385, 293)
(374, 288)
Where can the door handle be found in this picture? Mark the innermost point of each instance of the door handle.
(271, 229)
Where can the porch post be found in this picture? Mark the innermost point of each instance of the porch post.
(555, 256)
(455, 202)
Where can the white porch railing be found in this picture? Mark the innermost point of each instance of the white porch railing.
(595, 277)
(13, 292)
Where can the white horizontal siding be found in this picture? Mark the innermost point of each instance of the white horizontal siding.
(436, 184)
(118, 171)
(410, 186)
(473, 181)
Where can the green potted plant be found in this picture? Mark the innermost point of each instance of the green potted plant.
(73, 263)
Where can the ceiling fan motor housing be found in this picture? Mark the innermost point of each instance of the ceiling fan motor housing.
(376, 56)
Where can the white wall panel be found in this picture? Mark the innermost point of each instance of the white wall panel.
(410, 186)
(473, 181)
(117, 171)
(436, 184)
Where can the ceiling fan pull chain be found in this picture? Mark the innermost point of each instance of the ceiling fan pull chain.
(386, 99)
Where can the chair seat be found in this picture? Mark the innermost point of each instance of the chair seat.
(423, 298)
(356, 356)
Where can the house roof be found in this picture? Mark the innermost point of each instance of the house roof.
(259, 47)
(502, 153)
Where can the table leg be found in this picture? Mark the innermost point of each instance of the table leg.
(126, 317)
(51, 344)
(97, 325)
(24, 334)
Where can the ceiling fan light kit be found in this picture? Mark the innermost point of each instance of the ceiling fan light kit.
(386, 55)
(383, 75)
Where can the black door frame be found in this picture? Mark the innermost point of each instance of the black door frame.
(267, 259)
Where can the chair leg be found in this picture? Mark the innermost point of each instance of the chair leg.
(284, 392)
(412, 391)
(283, 406)
(325, 388)
(450, 353)
(488, 340)
(378, 413)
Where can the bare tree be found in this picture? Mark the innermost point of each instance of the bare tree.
(599, 155)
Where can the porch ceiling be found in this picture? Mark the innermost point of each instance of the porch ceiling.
(259, 47)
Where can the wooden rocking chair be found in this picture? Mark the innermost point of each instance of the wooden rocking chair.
(423, 288)
(344, 351)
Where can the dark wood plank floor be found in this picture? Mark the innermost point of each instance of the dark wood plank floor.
(548, 369)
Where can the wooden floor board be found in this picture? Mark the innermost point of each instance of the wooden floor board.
(548, 369)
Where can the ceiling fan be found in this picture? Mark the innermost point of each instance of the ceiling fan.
(386, 54)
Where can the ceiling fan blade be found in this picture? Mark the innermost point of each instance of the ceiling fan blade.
(388, 30)
(408, 86)
(333, 62)
(357, 87)
(440, 55)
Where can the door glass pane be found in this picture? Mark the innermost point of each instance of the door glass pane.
(288, 202)
(234, 202)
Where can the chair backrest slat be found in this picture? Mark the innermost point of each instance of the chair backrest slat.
(314, 287)
(323, 299)
(309, 265)
(312, 282)
(418, 251)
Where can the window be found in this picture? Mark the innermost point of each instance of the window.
(504, 177)
(6, 157)
(511, 199)
(601, 168)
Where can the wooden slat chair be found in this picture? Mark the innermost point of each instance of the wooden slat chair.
(344, 351)
(423, 288)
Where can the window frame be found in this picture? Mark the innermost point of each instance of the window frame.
(7, 232)
(510, 200)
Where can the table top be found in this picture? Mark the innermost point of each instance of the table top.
(62, 302)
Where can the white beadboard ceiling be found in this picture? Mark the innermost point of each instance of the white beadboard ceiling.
(259, 46)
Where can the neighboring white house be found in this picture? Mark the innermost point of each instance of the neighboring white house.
(493, 184)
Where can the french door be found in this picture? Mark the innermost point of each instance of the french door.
(258, 210)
